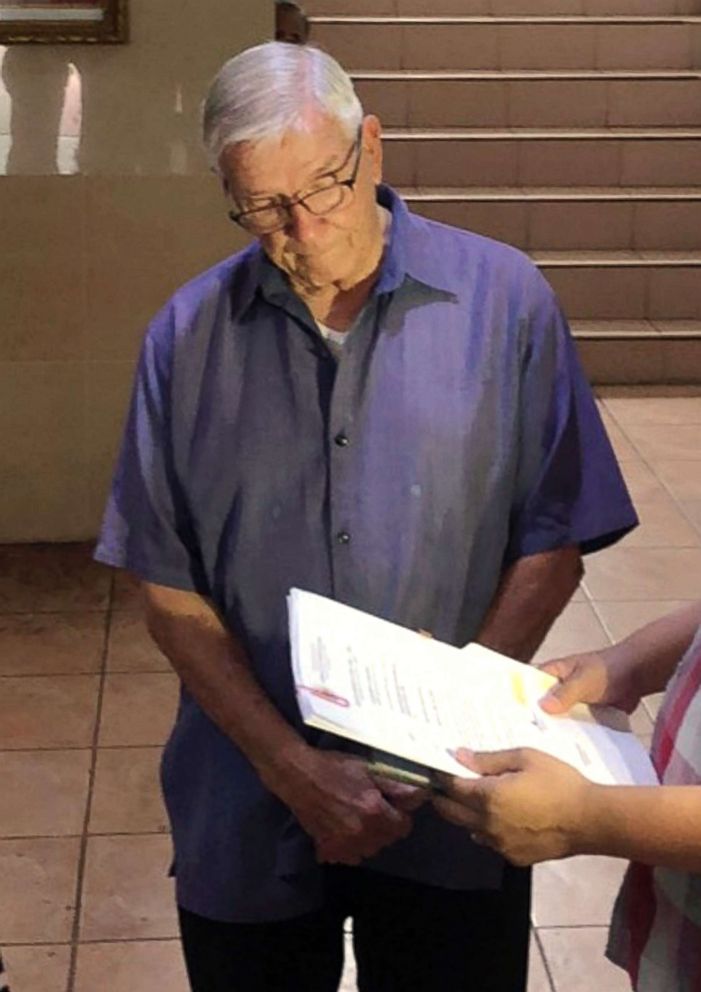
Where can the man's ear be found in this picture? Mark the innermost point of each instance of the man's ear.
(372, 141)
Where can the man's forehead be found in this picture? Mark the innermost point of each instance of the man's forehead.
(300, 154)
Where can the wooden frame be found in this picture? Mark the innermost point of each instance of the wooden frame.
(57, 22)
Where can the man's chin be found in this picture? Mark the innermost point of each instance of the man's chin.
(317, 274)
(311, 283)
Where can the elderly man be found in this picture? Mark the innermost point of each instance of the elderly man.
(381, 409)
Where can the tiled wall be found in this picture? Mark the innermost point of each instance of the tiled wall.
(106, 206)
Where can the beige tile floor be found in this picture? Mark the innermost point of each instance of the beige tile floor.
(86, 702)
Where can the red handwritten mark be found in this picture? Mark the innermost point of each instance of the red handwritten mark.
(326, 694)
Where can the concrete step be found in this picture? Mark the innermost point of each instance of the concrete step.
(620, 285)
(636, 330)
(543, 156)
(504, 8)
(511, 42)
(624, 351)
(614, 218)
(532, 98)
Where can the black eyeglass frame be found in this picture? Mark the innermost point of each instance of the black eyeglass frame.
(286, 203)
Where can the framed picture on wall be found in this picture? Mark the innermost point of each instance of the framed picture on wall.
(63, 21)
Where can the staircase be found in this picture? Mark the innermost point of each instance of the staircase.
(569, 128)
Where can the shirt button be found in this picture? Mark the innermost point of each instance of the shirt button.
(341, 440)
(343, 537)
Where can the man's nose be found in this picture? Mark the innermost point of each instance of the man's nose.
(301, 225)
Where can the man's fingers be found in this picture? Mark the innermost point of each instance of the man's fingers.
(389, 816)
(388, 826)
(337, 856)
(402, 823)
(382, 823)
(407, 798)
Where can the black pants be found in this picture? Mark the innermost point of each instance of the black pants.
(407, 937)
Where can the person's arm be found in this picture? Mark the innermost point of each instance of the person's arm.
(530, 596)
(622, 674)
(331, 794)
(657, 825)
(531, 807)
(653, 652)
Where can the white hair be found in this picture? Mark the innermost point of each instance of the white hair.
(270, 89)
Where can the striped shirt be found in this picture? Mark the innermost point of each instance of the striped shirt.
(656, 927)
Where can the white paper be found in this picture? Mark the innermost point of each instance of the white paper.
(394, 690)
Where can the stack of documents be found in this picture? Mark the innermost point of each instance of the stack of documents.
(395, 690)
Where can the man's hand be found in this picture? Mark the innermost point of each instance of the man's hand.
(332, 794)
(529, 807)
(592, 677)
(343, 808)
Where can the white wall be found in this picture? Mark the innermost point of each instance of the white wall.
(106, 206)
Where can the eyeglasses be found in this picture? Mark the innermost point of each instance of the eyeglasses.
(329, 194)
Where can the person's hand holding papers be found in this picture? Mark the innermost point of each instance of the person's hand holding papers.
(415, 699)
(592, 678)
(530, 806)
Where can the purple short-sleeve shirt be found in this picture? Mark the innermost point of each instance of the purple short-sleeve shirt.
(455, 434)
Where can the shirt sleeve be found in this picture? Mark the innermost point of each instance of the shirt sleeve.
(146, 527)
(569, 487)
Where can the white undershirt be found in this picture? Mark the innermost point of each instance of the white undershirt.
(334, 339)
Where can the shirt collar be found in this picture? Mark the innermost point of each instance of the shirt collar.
(409, 251)
(258, 276)
(408, 254)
